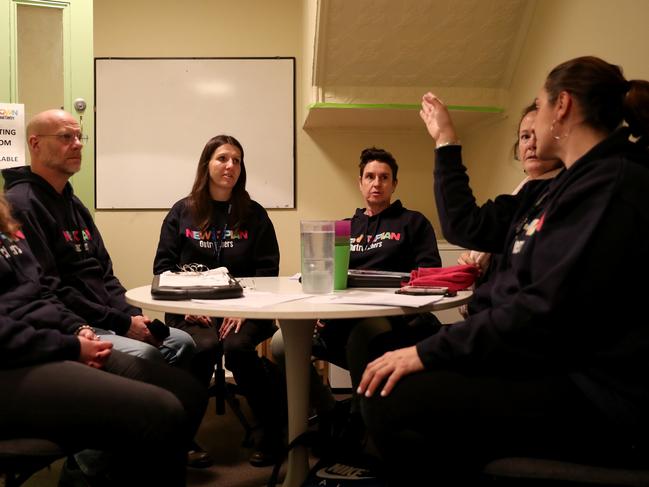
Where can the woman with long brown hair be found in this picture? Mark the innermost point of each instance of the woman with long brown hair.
(217, 225)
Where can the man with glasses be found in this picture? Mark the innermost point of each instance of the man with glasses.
(63, 237)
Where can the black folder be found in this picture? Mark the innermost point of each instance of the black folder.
(179, 293)
(371, 278)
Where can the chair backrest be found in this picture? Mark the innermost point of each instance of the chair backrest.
(20, 458)
(536, 469)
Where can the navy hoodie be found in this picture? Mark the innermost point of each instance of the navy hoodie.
(34, 325)
(22, 344)
(396, 239)
(567, 295)
(70, 250)
(247, 250)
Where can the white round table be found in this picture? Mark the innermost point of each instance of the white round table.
(296, 319)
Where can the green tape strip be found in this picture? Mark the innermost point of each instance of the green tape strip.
(404, 106)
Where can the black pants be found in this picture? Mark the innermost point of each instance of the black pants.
(445, 425)
(144, 414)
(258, 380)
(347, 342)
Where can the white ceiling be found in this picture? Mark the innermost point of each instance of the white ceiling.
(386, 51)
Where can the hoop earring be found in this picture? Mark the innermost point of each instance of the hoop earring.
(556, 137)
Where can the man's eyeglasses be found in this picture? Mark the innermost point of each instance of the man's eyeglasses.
(67, 138)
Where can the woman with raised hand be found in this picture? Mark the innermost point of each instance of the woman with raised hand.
(219, 225)
(534, 169)
(554, 365)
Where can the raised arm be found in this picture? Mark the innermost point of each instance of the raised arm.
(463, 222)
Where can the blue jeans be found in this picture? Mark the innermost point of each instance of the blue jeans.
(177, 349)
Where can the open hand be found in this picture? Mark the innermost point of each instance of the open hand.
(229, 325)
(437, 119)
(391, 366)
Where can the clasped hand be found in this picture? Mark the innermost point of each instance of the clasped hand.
(480, 260)
(93, 352)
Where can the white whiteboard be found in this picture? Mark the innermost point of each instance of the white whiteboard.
(154, 116)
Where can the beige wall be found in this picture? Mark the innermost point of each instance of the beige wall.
(561, 30)
(327, 160)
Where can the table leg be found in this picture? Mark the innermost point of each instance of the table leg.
(297, 336)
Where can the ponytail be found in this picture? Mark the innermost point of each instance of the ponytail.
(636, 109)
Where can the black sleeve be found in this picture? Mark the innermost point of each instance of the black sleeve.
(168, 254)
(424, 244)
(97, 314)
(21, 344)
(41, 309)
(464, 223)
(47, 312)
(266, 250)
(549, 317)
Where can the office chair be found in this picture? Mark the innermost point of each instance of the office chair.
(224, 391)
(20, 458)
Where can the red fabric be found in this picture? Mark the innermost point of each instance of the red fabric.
(455, 278)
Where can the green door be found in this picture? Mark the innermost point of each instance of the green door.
(47, 57)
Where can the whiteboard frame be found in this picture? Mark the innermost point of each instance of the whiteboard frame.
(257, 177)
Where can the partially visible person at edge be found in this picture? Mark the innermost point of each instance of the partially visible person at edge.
(542, 370)
(534, 168)
(69, 247)
(62, 235)
(384, 236)
(60, 382)
(219, 225)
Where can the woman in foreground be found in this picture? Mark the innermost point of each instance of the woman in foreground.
(554, 365)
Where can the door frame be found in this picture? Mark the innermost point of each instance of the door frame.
(78, 74)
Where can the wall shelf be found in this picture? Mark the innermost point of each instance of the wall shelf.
(389, 116)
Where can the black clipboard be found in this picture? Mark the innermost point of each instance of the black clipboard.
(180, 293)
(371, 278)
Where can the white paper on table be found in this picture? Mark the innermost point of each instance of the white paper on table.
(381, 298)
(253, 299)
(213, 277)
